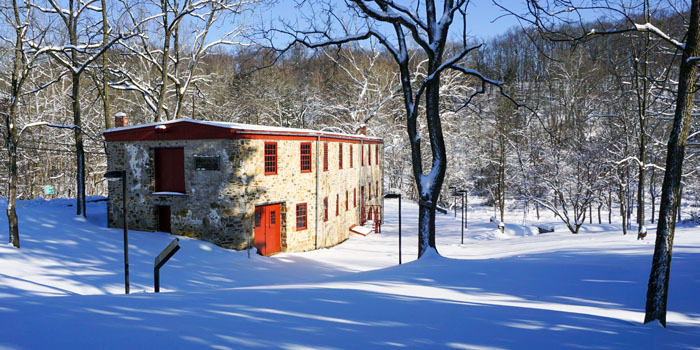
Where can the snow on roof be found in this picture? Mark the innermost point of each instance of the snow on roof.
(241, 126)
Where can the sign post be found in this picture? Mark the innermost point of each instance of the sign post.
(161, 259)
(116, 175)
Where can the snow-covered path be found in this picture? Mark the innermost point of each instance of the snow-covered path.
(63, 288)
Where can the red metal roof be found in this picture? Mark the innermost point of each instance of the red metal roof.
(188, 129)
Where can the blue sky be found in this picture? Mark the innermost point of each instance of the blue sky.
(484, 19)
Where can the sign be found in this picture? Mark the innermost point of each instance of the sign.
(48, 189)
(167, 253)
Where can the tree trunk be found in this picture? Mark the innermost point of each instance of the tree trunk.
(79, 150)
(12, 132)
(105, 74)
(657, 292)
(609, 206)
(623, 212)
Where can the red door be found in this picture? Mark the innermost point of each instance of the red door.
(163, 218)
(267, 228)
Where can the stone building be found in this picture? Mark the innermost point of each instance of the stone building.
(280, 189)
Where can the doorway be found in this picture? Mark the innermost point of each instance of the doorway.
(267, 228)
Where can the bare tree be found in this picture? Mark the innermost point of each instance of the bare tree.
(428, 26)
(543, 17)
(76, 56)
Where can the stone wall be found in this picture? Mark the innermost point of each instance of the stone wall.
(218, 205)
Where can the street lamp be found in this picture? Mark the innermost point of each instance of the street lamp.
(397, 195)
(112, 176)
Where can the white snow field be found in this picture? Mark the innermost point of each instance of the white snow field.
(64, 289)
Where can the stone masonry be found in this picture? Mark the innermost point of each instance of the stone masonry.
(218, 205)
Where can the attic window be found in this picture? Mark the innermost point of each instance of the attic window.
(206, 162)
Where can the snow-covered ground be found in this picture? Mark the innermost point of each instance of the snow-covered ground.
(64, 289)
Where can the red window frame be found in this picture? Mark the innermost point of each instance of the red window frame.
(325, 156)
(369, 154)
(337, 204)
(325, 209)
(270, 150)
(346, 201)
(351, 159)
(305, 157)
(340, 155)
(376, 154)
(362, 155)
(354, 197)
(301, 215)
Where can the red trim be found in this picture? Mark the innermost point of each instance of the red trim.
(325, 156)
(337, 204)
(305, 157)
(369, 155)
(270, 160)
(304, 214)
(191, 130)
(354, 197)
(346, 201)
(376, 154)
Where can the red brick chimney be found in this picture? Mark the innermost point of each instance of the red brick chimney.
(363, 130)
(120, 120)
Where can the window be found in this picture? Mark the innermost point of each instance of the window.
(362, 155)
(369, 191)
(337, 204)
(301, 216)
(354, 197)
(270, 158)
(376, 154)
(340, 156)
(305, 157)
(351, 156)
(169, 169)
(369, 154)
(325, 156)
(376, 189)
(325, 209)
(346, 201)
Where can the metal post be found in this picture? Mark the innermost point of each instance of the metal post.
(466, 212)
(126, 234)
(463, 194)
(399, 229)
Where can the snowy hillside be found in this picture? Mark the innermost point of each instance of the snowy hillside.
(519, 290)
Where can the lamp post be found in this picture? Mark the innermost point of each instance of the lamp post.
(464, 209)
(397, 195)
(112, 176)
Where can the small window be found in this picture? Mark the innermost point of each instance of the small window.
(376, 189)
(376, 154)
(362, 156)
(325, 156)
(301, 216)
(337, 204)
(340, 156)
(206, 163)
(258, 217)
(272, 217)
(169, 169)
(270, 158)
(305, 157)
(346, 201)
(354, 197)
(351, 159)
(369, 191)
(369, 154)
(325, 209)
